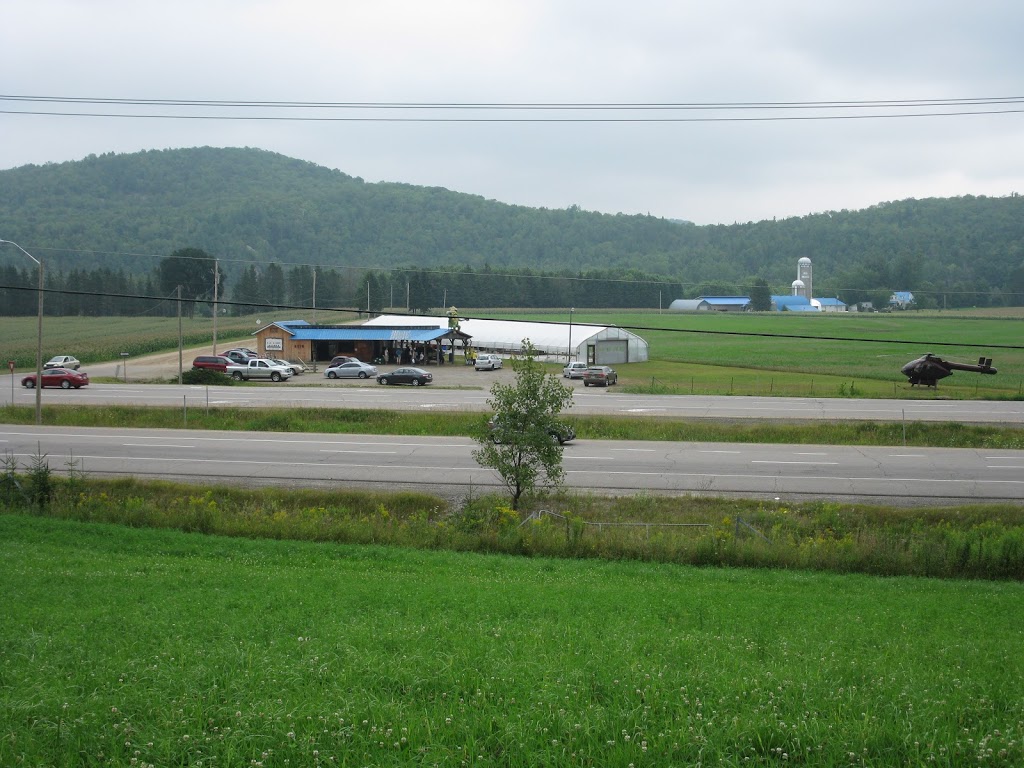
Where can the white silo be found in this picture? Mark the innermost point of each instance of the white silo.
(798, 288)
(803, 273)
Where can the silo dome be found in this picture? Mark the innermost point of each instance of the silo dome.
(803, 273)
(798, 288)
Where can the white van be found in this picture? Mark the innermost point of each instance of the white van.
(487, 362)
(574, 370)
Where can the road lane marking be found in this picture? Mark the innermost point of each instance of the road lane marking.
(331, 450)
(710, 451)
(155, 445)
(779, 461)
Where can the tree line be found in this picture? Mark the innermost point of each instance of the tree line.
(261, 288)
(248, 206)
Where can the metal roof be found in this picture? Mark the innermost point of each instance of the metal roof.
(741, 300)
(791, 303)
(305, 332)
(548, 338)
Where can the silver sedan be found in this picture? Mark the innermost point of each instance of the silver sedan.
(351, 370)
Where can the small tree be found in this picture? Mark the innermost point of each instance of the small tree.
(520, 446)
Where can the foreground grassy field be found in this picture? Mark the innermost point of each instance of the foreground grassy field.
(156, 648)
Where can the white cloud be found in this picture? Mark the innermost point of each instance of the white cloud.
(466, 51)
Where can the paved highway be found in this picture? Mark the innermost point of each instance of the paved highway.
(445, 465)
(315, 392)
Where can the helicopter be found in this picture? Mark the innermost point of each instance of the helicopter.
(929, 369)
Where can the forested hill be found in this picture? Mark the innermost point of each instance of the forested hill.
(249, 205)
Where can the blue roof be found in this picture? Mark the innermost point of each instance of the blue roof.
(831, 303)
(364, 333)
(793, 303)
(720, 300)
(303, 331)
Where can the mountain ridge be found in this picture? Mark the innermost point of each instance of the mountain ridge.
(246, 205)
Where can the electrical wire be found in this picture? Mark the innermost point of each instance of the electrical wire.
(553, 112)
(359, 312)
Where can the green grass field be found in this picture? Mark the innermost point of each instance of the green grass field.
(137, 647)
(708, 353)
(700, 353)
(98, 339)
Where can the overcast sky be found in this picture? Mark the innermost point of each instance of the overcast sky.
(569, 52)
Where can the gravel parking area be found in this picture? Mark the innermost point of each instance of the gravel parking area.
(164, 366)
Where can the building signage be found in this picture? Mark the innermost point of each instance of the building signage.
(273, 344)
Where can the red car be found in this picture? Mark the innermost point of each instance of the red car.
(213, 362)
(64, 378)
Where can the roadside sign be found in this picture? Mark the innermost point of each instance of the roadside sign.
(10, 364)
(124, 354)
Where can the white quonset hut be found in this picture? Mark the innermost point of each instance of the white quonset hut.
(596, 344)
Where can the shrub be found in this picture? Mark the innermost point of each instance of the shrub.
(205, 376)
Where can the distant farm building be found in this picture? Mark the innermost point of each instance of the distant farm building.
(793, 304)
(594, 344)
(901, 300)
(830, 305)
(711, 304)
(689, 305)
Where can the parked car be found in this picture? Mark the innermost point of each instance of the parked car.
(574, 370)
(257, 368)
(563, 433)
(241, 356)
(600, 376)
(339, 359)
(295, 368)
(298, 365)
(62, 361)
(213, 362)
(65, 378)
(414, 376)
(353, 369)
(487, 362)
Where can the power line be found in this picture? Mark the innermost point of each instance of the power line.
(360, 312)
(745, 105)
(550, 112)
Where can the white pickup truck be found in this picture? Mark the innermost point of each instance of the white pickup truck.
(259, 369)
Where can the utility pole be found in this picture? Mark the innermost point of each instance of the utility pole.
(216, 283)
(179, 335)
(314, 295)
